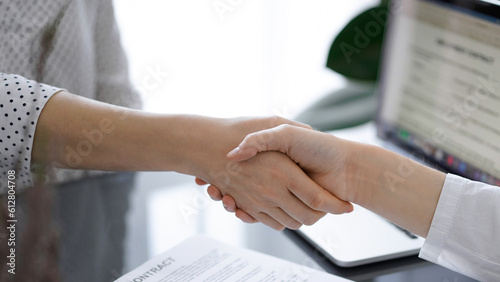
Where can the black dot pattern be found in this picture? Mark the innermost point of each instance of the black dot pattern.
(18, 123)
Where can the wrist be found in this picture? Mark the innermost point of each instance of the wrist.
(199, 145)
(397, 188)
(190, 142)
(365, 168)
(202, 144)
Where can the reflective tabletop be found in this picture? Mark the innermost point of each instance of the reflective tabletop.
(108, 225)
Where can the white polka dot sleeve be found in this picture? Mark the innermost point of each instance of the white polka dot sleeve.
(21, 101)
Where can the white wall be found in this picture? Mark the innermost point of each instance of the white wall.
(258, 58)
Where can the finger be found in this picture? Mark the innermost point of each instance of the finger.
(245, 217)
(229, 203)
(274, 139)
(300, 124)
(200, 181)
(277, 121)
(214, 193)
(269, 221)
(282, 217)
(303, 213)
(239, 154)
(230, 206)
(315, 197)
(307, 215)
(298, 210)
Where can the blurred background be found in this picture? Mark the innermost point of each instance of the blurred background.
(229, 58)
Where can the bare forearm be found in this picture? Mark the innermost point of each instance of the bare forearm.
(398, 188)
(79, 133)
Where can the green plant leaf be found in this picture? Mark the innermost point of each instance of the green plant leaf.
(355, 52)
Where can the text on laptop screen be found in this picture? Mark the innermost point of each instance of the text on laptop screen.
(441, 85)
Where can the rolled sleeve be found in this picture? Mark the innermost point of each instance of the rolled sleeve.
(465, 230)
(21, 102)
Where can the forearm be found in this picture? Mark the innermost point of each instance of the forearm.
(397, 188)
(80, 133)
(76, 132)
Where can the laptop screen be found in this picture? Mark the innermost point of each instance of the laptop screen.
(440, 84)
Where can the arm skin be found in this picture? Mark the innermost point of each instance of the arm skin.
(401, 190)
(75, 132)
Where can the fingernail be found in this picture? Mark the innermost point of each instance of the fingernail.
(350, 209)
(234, 152)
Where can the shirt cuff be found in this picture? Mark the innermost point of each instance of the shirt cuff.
(443, 218)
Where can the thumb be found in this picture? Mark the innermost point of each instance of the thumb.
(241, 153)
(274, 139)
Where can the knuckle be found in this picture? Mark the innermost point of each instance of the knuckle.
(312, 219)
(278, 227)
(286, 129)
(317, 202)
(253, 140)
(276, 120)
(309, 222)
(250, 137)
(264, 138)
(339, 209)
(275, 173)
(234, 168)
(294, 225)
(264, 198)
(267, 200)
(283, 128)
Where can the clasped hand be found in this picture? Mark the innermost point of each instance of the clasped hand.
(314, 166)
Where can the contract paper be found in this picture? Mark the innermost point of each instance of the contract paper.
(204, 259)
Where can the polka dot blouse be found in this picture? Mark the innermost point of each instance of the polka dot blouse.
(21, 102)
(86, 59)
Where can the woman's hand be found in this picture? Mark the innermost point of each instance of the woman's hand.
(397, 188)
(328, 160)
(270, 187)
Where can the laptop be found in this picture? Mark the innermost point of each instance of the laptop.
(439, 101)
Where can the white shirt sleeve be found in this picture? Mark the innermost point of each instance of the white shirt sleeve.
(21, 102)
(465, 232)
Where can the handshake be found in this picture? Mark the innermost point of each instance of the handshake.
(290, 174)
(304, 174)
(279, 172)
